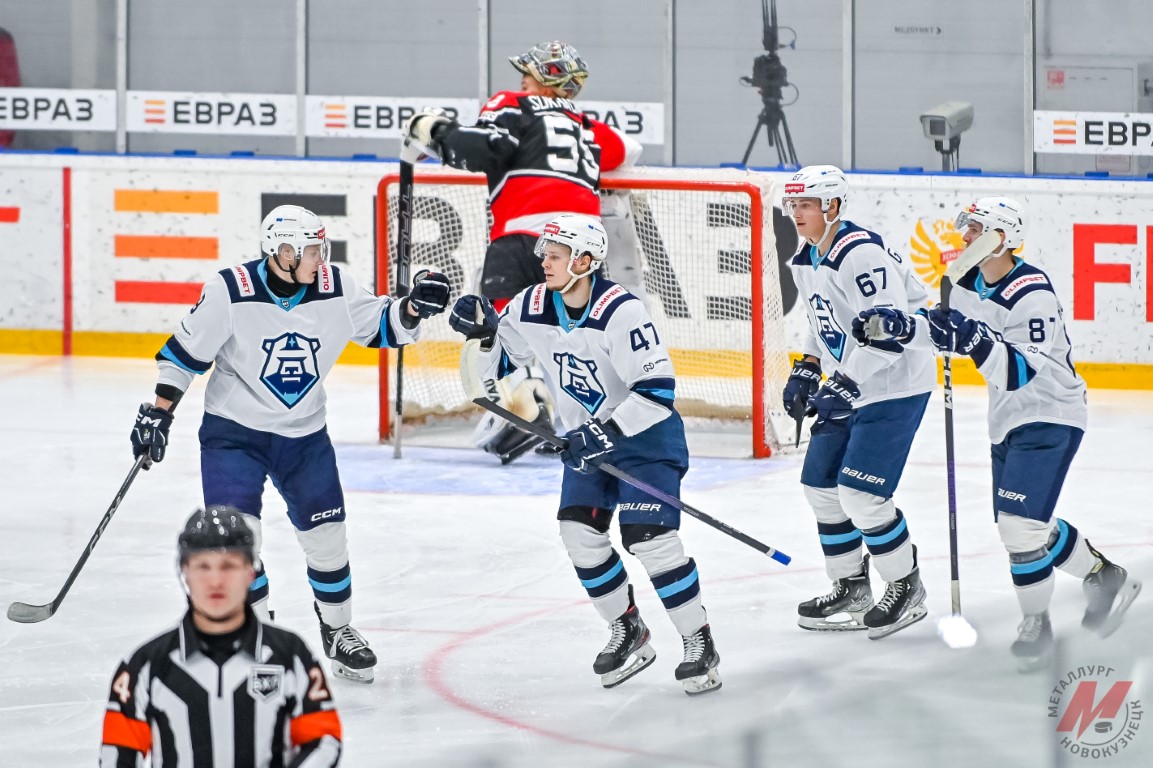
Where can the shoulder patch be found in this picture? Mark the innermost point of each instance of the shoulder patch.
(603, 303)
(1024, 283)
(325, 279)
(847, 243)
(244, 284)
(536, 296)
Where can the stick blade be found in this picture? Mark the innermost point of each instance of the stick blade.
(977, 251)
(23, 613)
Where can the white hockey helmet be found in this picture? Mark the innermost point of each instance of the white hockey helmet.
(555, 64)
(993, 213)
(295, 226)
(582, 234)
(824, 182)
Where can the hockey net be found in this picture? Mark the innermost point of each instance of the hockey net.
(705, 246)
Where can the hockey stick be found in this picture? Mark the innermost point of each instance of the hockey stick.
(403, 264)
(471, 385)
(30, 614)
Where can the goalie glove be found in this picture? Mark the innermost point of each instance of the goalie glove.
(420, 135)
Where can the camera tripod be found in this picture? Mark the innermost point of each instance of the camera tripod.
(772, 118)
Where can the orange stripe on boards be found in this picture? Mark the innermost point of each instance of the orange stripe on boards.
(167, 201)
(9, 214)
(123, 731)
(166, 247)
(313, 726)
(145, 292)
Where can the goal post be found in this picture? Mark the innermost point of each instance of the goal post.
(703, 245)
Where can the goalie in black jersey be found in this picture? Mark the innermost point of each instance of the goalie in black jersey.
(221, 687)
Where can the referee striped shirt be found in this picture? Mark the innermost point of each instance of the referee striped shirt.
(267, 704)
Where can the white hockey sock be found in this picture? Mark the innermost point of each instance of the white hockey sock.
(840, 539)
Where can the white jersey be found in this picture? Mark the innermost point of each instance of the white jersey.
(1030, 369)
(608, 363)
(859, 272)
(272, 353)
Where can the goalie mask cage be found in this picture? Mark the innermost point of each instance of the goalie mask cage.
(705, 246)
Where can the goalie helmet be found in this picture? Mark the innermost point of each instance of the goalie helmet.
(216, 529)
(555, 64)
(994, 213)
(295, 226)
(824, 182)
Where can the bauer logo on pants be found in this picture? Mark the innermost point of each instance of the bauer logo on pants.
(1096, 712)
(290, 369)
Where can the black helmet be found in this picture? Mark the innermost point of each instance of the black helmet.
(217, 528)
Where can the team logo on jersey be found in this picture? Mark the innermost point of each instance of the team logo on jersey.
(934, 245)
(827, 328)
(290, 368)
(265, 681)
(578, 378)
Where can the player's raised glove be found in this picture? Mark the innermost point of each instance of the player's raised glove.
(589, 443)
(420, 133)
(883, 324)
(475, 318)
(803, 383)
(150, 433)
(429, 294)
(834, 401)
(951, 331)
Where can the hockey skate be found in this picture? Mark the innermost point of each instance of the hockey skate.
(628, 650)
(351, 657)
(902, 604)
(1110, 592)
(850, 599)
(1034, 644)
(698, 672)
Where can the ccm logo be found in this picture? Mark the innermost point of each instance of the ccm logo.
(1010, 495)
(634, 506)
(326, 514)
(863, 476)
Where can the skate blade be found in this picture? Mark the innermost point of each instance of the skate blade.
(709, 681)
(912, 617)
(641, 658)
(1129, 591)
(1029, 664)
(854, 621)
(365, 676)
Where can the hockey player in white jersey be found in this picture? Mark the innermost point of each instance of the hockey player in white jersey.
(274, 327)
(1006, 317)
(612, 380)
(867, 410)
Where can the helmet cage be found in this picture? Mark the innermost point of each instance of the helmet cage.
(556, 65)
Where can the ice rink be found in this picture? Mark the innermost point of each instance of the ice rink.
(486, 638)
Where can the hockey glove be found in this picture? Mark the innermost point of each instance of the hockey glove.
(953, 332)
(475, 318)
(150, 434)
(420, 135)
(891, 324)
(834, 401)
(803, 383)
(589, 443)
(429, 294)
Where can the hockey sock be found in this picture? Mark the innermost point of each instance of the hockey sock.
(840, 538)
(1071, 552)
(1033, 579)
(333, 593)
(891, 548)
(258, 589)
(606, 585)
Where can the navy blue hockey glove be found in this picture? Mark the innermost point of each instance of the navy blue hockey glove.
(953, 332)
(803, 383)
(891, 324)
(150, 434)
(834, 401)
(474, 317)
(588, 443)
(429, 294)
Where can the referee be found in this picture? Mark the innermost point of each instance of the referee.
(222, 688)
